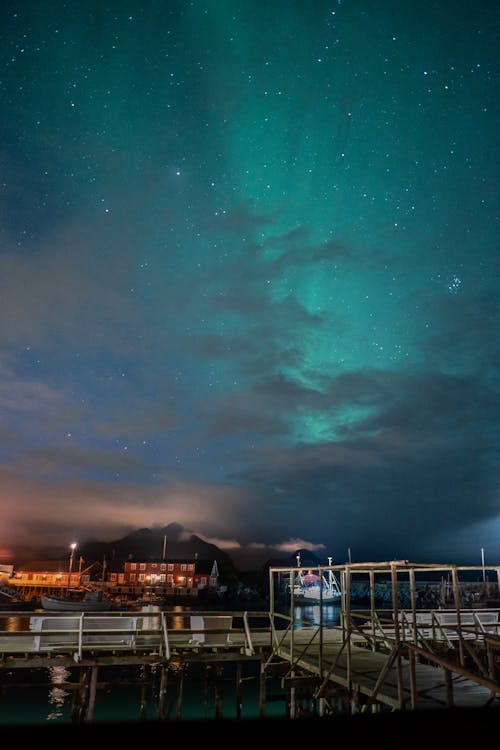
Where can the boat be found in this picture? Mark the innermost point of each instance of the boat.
(148, 599)
(91, 601)
(311, 588)
(10, 602)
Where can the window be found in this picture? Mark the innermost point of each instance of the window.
(183, 566)
(170, 578)
(132, 576)
(141, 577)
(142, 566)
(170, 566)
(163, 566)
(133, 566)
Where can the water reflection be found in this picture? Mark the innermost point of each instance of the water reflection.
(307, 615)
(57, 695)
(14, 623)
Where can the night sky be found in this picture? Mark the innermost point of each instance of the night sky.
(249, 269)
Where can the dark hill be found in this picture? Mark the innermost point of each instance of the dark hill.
(169, 542)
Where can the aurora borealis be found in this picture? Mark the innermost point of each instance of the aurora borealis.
(249, 270)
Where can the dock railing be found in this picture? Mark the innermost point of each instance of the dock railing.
(152, 631)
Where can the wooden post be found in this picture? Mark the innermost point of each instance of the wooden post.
(348, 625)
(92, 693)
(397, 636)
(413, 602)
(180, 690)
(491, 661)
(144, 695)
(271, 600)
(458, 604)
(292, 705)
(372, 609)
(413, 679)
(206, 687)
(79, 698)
(238, 690)
(449, 687)
(320, 652)
(218, 692)
(262, 691)
(162, 692)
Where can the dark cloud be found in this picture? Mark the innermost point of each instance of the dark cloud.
(248, 271)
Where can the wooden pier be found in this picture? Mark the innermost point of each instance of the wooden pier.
(374, 661)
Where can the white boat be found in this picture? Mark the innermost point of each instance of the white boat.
(91, 601)
(316, 588)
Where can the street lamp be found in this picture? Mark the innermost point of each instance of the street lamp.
(73, 547)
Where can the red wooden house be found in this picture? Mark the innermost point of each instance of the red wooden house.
(160, 576)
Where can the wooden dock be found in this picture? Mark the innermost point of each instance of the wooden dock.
(339, 674)
(396, 680)
(373, 661)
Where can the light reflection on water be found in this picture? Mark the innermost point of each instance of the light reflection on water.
(14, 623)
(307, 615)
(57, 695)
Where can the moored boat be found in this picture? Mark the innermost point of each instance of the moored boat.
(13, 602)
(316, 588)
(91, 601)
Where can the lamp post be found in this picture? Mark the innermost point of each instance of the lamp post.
(73, 547)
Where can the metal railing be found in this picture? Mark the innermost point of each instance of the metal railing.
(163, 633)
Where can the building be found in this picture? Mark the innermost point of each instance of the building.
(136, 578)
(52, 576)
(165, 577)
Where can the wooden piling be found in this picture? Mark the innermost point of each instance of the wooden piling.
(144, 694)
(238, 690)
(262, 690)
(92, 694)
(162, 692)
(218, 672)
(180, 691)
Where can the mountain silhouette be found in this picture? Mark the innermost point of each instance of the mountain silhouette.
(171, 542)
